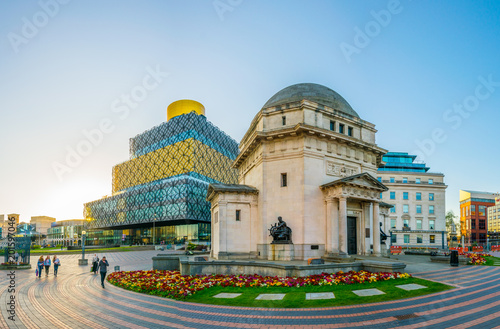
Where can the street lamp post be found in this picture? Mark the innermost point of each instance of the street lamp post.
(83, 261)
(154, 244)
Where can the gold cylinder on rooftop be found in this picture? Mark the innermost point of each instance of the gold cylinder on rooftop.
(184, 106)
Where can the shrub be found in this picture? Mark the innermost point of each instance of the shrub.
(36, 246)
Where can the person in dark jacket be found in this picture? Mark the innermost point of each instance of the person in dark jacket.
(103, 268)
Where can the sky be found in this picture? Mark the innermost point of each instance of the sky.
(79, 78)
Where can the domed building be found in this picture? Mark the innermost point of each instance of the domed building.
(309, 158)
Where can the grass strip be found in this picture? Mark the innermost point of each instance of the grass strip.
(296, 297)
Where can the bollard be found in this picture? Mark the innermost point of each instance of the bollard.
(454, 258)
(117, 268)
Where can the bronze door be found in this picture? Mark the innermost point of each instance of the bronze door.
(352, 246)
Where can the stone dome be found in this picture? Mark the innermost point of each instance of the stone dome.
(312, 92)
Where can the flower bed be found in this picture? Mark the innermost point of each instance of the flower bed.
(477, 258)
(173, 285)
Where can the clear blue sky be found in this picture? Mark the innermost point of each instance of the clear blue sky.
(413, 68)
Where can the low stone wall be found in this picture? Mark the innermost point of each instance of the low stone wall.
(446, 259)
(164, 262)
(188, 267)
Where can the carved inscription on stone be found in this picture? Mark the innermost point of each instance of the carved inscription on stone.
(334, 169)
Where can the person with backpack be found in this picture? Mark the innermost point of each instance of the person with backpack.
(57, 263)
(47, 265)
(95, 263)
(103, 268)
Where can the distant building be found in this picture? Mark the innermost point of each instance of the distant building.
(4, 224)
(42, 223)
(473, 215)
(66, 232)
(417, 218)
(494, 218)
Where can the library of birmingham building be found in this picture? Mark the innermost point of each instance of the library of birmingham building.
(307, 157)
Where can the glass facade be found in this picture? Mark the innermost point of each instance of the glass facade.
(397, 161)
(164, 184)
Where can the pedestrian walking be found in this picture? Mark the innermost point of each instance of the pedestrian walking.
(40, 266)
(47, 265)
(95, 263)
(103, 268)
(57, 263)
(16, 256)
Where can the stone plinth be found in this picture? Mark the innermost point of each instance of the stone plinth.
(83, 261)
(166, 262)
(281, 252)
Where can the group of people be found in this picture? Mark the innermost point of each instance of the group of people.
(46, 263)
(97, 265)
(101, 265)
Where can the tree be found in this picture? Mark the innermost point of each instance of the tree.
(450, 219)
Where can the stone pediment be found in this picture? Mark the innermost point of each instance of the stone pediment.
(361, 180)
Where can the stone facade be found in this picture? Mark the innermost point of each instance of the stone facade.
(425, 216)
(313, 165)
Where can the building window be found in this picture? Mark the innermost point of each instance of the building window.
(392, 195)
(349, 131)
(419, 196)
(393, 209)
(419, 224)
(283, 120)
(473, 210)
(341, 128)
(432, 224)
(406, 238)
(431, 196)
(431, 209)
(238, 212)
(283, 180)
(405, 195)
(391, 180)
(405, 209)
(406, 223)
(379, 179)
(394, 238)
(417, 180)
(482, 210)
(432, 238)
(419, 238)
(431, 181)
(419, 209)
(332, 125)
(482, 224)
(393, 223)
(380, 195)
(405, 179)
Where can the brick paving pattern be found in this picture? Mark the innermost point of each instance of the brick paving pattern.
(75, 299)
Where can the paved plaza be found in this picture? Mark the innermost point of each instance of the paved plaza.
(75, 299)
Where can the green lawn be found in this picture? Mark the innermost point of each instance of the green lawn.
(490, 261)
(296, 297)
(58, 251)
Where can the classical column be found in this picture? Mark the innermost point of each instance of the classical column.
(335, 226)
(329, 232)
(342, 226)
(376, 230)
